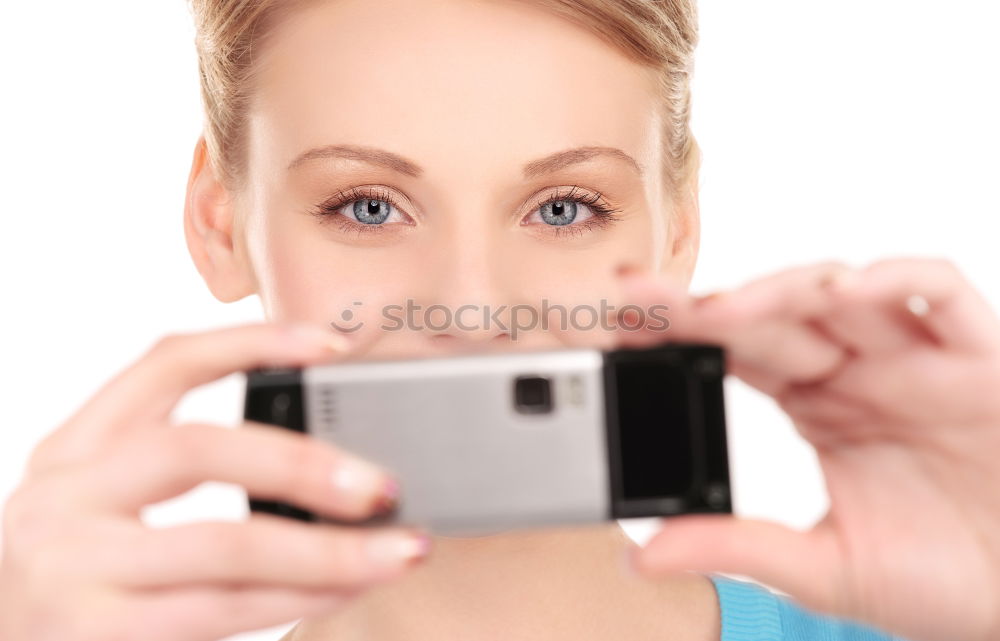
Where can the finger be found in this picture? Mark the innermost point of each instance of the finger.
(957, 314)
(792, 294)
(211, 613)
(769, 552)
(650, 307)
(149, 389)
(265, 549)
(767, 382)
(787, 352)
(269, 462)
(827, 417)
(868, 328)
(770, 326)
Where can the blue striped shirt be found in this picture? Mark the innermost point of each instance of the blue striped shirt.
(751, 612)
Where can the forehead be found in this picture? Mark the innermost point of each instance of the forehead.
(477, 81)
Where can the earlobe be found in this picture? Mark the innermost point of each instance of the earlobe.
(684, 237)
(209, 212)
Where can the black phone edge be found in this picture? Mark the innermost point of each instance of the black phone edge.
(633, 486)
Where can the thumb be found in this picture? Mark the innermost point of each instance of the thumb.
(801, 564)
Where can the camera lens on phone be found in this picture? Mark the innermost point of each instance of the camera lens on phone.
(532, 394)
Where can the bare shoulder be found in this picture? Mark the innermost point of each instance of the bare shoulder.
(335, 626)
(689, 603)
(678, 607)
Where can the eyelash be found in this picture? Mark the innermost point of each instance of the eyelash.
(603, 213)
(327, 210)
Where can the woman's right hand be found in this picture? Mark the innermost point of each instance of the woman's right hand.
(78, 564)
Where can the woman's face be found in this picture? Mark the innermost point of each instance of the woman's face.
(400, 152)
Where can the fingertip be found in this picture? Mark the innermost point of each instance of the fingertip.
(318, 336)
(712, 297)
(843, 279)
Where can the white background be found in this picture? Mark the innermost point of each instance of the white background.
(852, 130)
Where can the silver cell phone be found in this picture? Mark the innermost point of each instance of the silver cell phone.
(493, 442)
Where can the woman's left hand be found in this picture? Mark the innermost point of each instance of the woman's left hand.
(892, 373)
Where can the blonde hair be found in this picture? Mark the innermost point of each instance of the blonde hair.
(660, 34)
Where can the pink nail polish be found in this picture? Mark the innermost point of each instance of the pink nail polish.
(388, 498)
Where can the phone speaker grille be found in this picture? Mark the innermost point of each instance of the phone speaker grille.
(327, 409)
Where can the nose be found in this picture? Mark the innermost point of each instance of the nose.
(467, 296)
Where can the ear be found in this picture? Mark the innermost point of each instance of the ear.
(683, 233)
(209, 212)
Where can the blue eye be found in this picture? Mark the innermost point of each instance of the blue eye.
(366, 209)
(572, 211)
(559, 212)
(371, 212)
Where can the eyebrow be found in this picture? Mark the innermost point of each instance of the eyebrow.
(399, 164)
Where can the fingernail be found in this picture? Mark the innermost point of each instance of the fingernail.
(355, 476)
(701, 300)
(336, 342)
(389, 549)
(842, 280)
(631, 318)
(388, 498)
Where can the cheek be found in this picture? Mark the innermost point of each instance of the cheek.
(581, 272)
(305, 276)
